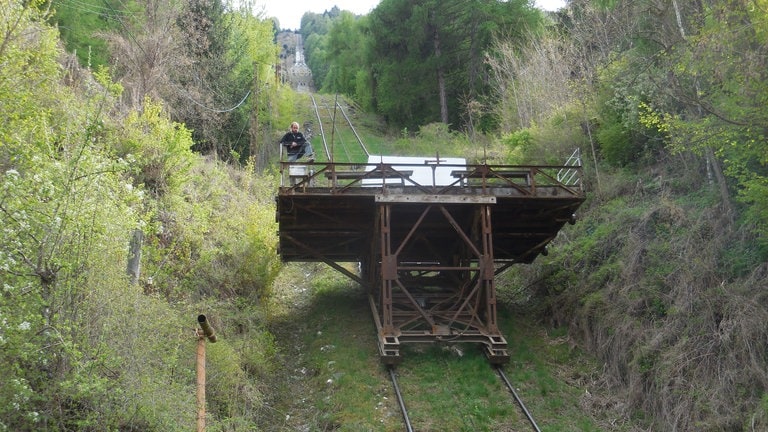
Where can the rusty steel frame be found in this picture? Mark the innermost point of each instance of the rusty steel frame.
(408, 309)
(428, 254)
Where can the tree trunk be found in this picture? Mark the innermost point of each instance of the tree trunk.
(253, 131)
(725, 195)
(134, 256)
(440, 76)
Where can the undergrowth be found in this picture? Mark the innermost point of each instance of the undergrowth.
(661, 284)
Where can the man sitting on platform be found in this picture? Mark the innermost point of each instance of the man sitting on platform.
(296, 145)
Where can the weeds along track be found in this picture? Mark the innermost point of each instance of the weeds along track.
(514, 394)
(340, 140)
(502, 376)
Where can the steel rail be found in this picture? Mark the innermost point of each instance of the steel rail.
(335, 136)
(354, 131)
(320, 124)
(331, 114)
(400, 401)
(511, 389)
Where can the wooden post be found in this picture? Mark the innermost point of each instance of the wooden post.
(204, 332)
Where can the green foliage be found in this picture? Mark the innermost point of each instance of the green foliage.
(721, 101)
(627, 133)
(521, 139)
(137, 365)
(519, 143)
(67, 209)
(618, 282)
(404, 46)
(318, 23)
(245, 68)
(238, 255)
(22, 87)
(83, 349)
(664, 288)
(158, 149)
(316, 52)
(101, 75)
(343, 54)
(217, 237)
(80, 22)
(616, 144)
(760, 417)
(230, 394)
(290, 107)
(431, 139)
(742, 255)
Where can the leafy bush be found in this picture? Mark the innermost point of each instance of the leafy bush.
(641, 278)
(616, 144)
(159, 150)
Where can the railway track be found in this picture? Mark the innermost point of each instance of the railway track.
(519, 401)
(502, 377)
(340, 140)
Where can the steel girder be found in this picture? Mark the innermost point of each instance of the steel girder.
(431, 287)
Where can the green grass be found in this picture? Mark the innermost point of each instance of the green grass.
(444, 390)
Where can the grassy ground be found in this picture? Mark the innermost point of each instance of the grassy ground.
(334, 380)
(341, 140)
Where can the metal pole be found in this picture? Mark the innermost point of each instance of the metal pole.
(204, 332)
(207, 329)
(200, 382)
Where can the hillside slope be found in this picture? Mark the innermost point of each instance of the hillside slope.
(659, 283)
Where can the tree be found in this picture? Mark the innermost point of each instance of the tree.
(80, 23)
(343, 55)
(204, 91)
(253, 54)
(427, 56)
(720, 79)
(148, 49)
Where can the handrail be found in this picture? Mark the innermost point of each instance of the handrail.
(567, 175)
(340, 177)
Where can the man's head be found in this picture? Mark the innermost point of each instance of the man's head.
(294, 127)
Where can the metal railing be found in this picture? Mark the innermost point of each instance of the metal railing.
(570, 174)
(430, 178)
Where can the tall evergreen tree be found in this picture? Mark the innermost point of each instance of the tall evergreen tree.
(427, 56)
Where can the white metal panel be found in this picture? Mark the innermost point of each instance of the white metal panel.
(423, 169)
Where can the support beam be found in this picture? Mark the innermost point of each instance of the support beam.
(430, 300)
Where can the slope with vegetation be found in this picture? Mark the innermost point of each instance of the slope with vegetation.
(82, 168)
(168, 128)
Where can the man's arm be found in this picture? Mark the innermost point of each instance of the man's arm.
(286, 140)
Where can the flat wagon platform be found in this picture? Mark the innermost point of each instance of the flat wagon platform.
(429, 235)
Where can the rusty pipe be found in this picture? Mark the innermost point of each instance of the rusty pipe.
(207, 329)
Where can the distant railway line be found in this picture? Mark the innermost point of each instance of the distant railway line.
(337, 145)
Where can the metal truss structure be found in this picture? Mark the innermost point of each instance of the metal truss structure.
(430, 238)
